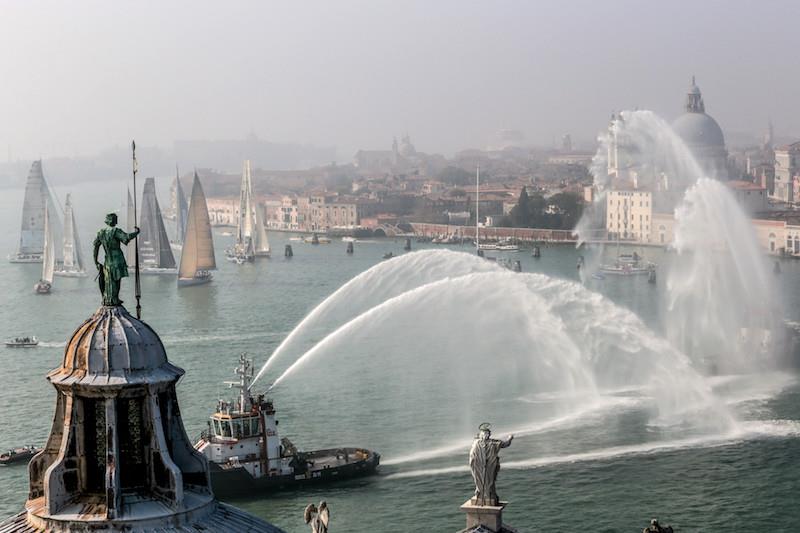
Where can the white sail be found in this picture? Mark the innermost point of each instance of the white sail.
(69, 242)
(262, 242)
(244, 246)
(49, 254)
(37, 200)
(198, 247)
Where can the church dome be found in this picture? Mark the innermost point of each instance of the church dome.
(113, 348)
(695, 127)
(699, 129)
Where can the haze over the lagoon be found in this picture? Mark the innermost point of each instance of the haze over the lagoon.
(79, 77)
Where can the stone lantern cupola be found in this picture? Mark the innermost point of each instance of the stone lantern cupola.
(118, 457)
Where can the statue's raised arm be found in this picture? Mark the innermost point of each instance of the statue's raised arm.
(111, 238)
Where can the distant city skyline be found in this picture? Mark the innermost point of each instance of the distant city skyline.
(354, 74)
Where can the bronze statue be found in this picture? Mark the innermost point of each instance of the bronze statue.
(317, 517)
(115, 268)
(484, 461)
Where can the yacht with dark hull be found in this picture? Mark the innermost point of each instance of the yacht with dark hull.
(247, 456)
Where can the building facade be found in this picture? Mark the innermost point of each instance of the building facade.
(629, 215)
(787, 173)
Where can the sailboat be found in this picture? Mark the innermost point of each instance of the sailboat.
(37, 200)
(262, 242)
(181, 213)
(155, 254)
(243, 249)
(73, 266)
(197, 256)
(44, 285)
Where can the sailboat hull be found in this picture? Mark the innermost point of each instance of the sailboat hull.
(71, 273)
(25, 258)
(156, 271)
(199, 280)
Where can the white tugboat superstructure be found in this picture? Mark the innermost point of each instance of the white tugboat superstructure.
(246, 453)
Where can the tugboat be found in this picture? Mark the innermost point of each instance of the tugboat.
(22, 342)
(247, 455)
(19, 455)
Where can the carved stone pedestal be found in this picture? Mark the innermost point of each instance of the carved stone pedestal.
(490, 517)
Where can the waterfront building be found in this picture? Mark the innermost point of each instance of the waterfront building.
(118, 457)
(628, 214)
(787, 173)
(702, 134)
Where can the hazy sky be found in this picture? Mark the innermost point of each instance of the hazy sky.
(79, 76)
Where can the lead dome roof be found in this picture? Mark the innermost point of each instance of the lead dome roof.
(112, 348)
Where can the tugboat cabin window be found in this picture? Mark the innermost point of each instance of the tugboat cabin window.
(226, 428)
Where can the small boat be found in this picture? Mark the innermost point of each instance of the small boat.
(348, 239)
(197, 256)
(628, 265)
(226, 234)
(316, 239)
(22, 342)
(388, 255)
(19, 455)
(247, 456)
(44, 285)
(598, 276)
(507, 245)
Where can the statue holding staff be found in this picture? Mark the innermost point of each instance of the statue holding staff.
(484, 461)
(115, 268)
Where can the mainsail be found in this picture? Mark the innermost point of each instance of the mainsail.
(48, 253)
(262, 242)
(37, 200)
(73, 260)
(181, 211)
(198, 248)
(246, 221)
(154, 247)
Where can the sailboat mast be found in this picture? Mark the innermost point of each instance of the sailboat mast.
(137, 283)
(477, 208)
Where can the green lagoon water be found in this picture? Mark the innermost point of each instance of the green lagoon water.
(603, 464)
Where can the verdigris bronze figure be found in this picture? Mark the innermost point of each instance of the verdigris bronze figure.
(484, 461)
(317, 517)
(115, 268)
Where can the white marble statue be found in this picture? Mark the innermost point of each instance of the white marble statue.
(317, 517)
(484, 461)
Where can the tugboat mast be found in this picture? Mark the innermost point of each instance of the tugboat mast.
(245, 372)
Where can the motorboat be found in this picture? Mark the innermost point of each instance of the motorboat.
(22, 342)
(19, 455)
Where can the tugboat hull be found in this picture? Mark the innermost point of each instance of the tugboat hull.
(235, 481)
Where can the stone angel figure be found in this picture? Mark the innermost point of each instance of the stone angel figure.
(317, 517)
(484, 461)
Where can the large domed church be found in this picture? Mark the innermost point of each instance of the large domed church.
(702, 134)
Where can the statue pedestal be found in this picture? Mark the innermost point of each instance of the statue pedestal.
(488, 516)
